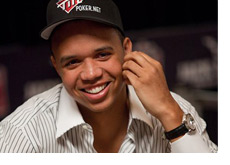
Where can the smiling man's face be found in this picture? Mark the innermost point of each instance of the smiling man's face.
(88, 57)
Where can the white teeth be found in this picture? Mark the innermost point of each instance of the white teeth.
(96, 90)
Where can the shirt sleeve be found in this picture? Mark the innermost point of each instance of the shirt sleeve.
(197, 142)
(190, 144)
(13, 140)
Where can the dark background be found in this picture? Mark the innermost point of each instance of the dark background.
(21, 21)
(178, 27)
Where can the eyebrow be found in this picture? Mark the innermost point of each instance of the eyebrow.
(67, 58)
(104, 48)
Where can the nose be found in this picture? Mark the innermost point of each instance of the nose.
(91, 71)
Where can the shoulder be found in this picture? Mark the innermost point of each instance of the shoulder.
(34, 106)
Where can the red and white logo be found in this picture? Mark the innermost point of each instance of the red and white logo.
(68, 5)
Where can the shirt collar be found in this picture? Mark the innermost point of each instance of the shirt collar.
(137, 110)
(69, 115)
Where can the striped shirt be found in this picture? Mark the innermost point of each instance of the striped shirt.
(52, 123)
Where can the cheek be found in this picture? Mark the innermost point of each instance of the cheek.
(69, 79)
(114, 67)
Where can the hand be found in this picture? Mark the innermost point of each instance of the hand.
(147, 77)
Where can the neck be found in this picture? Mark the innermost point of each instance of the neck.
(111, 124)
(114, 115)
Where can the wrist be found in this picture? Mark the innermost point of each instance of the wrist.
(187, 126)
(171, 118)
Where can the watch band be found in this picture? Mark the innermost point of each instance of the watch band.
(177, 132)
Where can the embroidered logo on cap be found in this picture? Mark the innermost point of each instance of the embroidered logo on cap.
(68, 5)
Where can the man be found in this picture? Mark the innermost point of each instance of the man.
(111, 100)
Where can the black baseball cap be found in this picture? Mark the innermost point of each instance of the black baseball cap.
(102, 11)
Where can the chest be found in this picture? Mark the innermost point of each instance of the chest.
(137, 140)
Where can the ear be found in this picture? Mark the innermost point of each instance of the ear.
(53, 60)
(127, 45)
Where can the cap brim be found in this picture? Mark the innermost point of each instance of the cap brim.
(46, 32)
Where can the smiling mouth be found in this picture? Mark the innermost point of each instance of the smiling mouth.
(96, 90)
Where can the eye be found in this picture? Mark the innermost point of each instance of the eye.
(72, 63)
(103, 55)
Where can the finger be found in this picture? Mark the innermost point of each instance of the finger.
(137, 57)
(130, 77)
(133, 67)
(143, 59)
(126, 80)
(150, 59)
(154, 63)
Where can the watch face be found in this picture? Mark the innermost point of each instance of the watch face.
(190, 123)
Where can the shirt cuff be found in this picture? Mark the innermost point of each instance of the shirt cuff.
(190, 144)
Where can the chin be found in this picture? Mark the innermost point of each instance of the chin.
(100, 107)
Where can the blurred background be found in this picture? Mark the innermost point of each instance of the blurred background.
(181, 34)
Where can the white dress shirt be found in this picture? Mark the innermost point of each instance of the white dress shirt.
(52, 122)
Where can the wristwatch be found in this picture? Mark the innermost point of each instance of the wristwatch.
(187, 126)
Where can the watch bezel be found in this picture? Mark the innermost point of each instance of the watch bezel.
(189, 122)
(187, 126)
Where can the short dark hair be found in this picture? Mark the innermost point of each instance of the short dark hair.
(121, 36)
